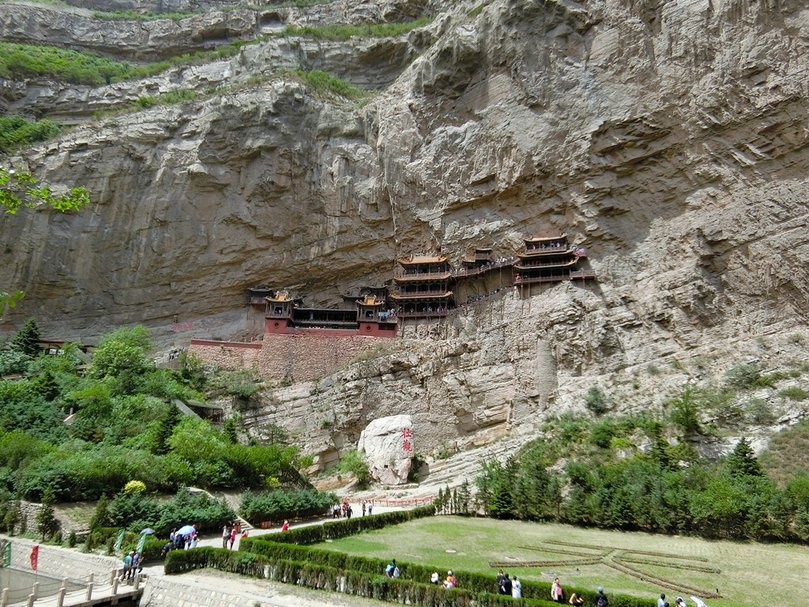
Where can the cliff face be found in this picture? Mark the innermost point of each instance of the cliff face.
(669, 137)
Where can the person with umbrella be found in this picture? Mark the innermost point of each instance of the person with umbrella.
(184, 534)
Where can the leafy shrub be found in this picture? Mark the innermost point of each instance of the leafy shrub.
(760, 411)
(596, 401)
(313, 534)
(242, 384)
(601, 434)
(794, 393)
(279, 505)
(685, 409)
(16, 132)
(743, 376)
(353, 462)
(13, 361)
(123, 350)
(135, 487)
(207, 513)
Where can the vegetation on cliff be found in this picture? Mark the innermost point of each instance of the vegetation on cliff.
(345, 31)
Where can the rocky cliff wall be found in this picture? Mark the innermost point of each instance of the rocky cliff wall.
(669, 137)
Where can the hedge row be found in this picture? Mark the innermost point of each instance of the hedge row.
(344, 527)
(324, 577)
(281, 546)
(475, 583)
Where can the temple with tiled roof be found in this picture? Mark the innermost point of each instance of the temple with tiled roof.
(549, 259)
(422, 287)
(370, 316)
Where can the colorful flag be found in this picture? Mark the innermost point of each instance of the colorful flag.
(120, 541)
(141, 544)
(34, 558)
(7, 555)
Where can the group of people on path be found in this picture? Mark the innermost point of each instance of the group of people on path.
(181, 541)
(448, 582)
(508, 586)
(513, 586)
(678, 602)
(230, 533)
(346, 510)
(133, 563)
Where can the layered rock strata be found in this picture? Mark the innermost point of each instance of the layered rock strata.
(669, 137)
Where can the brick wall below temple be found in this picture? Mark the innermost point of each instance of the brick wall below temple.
(296, 358)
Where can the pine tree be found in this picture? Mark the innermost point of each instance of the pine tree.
(743, 462)
(660, 448)
(230, 430)
(27, 339)
(46, 521)
(168, 422)
(464, 495)
(101, 516)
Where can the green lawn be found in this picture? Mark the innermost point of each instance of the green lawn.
(750, 574)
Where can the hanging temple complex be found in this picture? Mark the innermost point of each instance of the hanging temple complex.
(423, 289)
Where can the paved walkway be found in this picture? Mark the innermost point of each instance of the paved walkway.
(203, 588)
(243, 591)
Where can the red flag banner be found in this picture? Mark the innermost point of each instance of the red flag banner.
(34, 557)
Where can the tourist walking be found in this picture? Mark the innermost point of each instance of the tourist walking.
(516, 588)
(557, 593)
(601, 598)
(507, 587)
(225, 536)
(127, 565)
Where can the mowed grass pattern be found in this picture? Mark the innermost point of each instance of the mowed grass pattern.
(752, 574)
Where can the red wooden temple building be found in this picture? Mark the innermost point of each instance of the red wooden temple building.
(287, 315)
(549, 259)
(422, 287)
(425, 287)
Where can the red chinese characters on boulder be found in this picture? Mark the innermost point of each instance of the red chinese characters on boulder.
(407, 440)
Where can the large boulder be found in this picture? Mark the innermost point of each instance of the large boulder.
(389, 448)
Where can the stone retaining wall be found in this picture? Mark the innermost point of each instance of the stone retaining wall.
(296, 358)
(61, 562)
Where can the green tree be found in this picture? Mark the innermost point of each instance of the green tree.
(230, 428)
(743, 461)
(353, 462)
(122, 352)
(167, 423)
(46, 521)
(27, 339)
(101, 515)
(19, 189)
(684, 410)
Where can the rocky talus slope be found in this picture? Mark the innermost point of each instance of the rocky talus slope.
(668, 136)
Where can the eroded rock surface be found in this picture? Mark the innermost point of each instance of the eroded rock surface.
(668, 137)
(388, 446)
